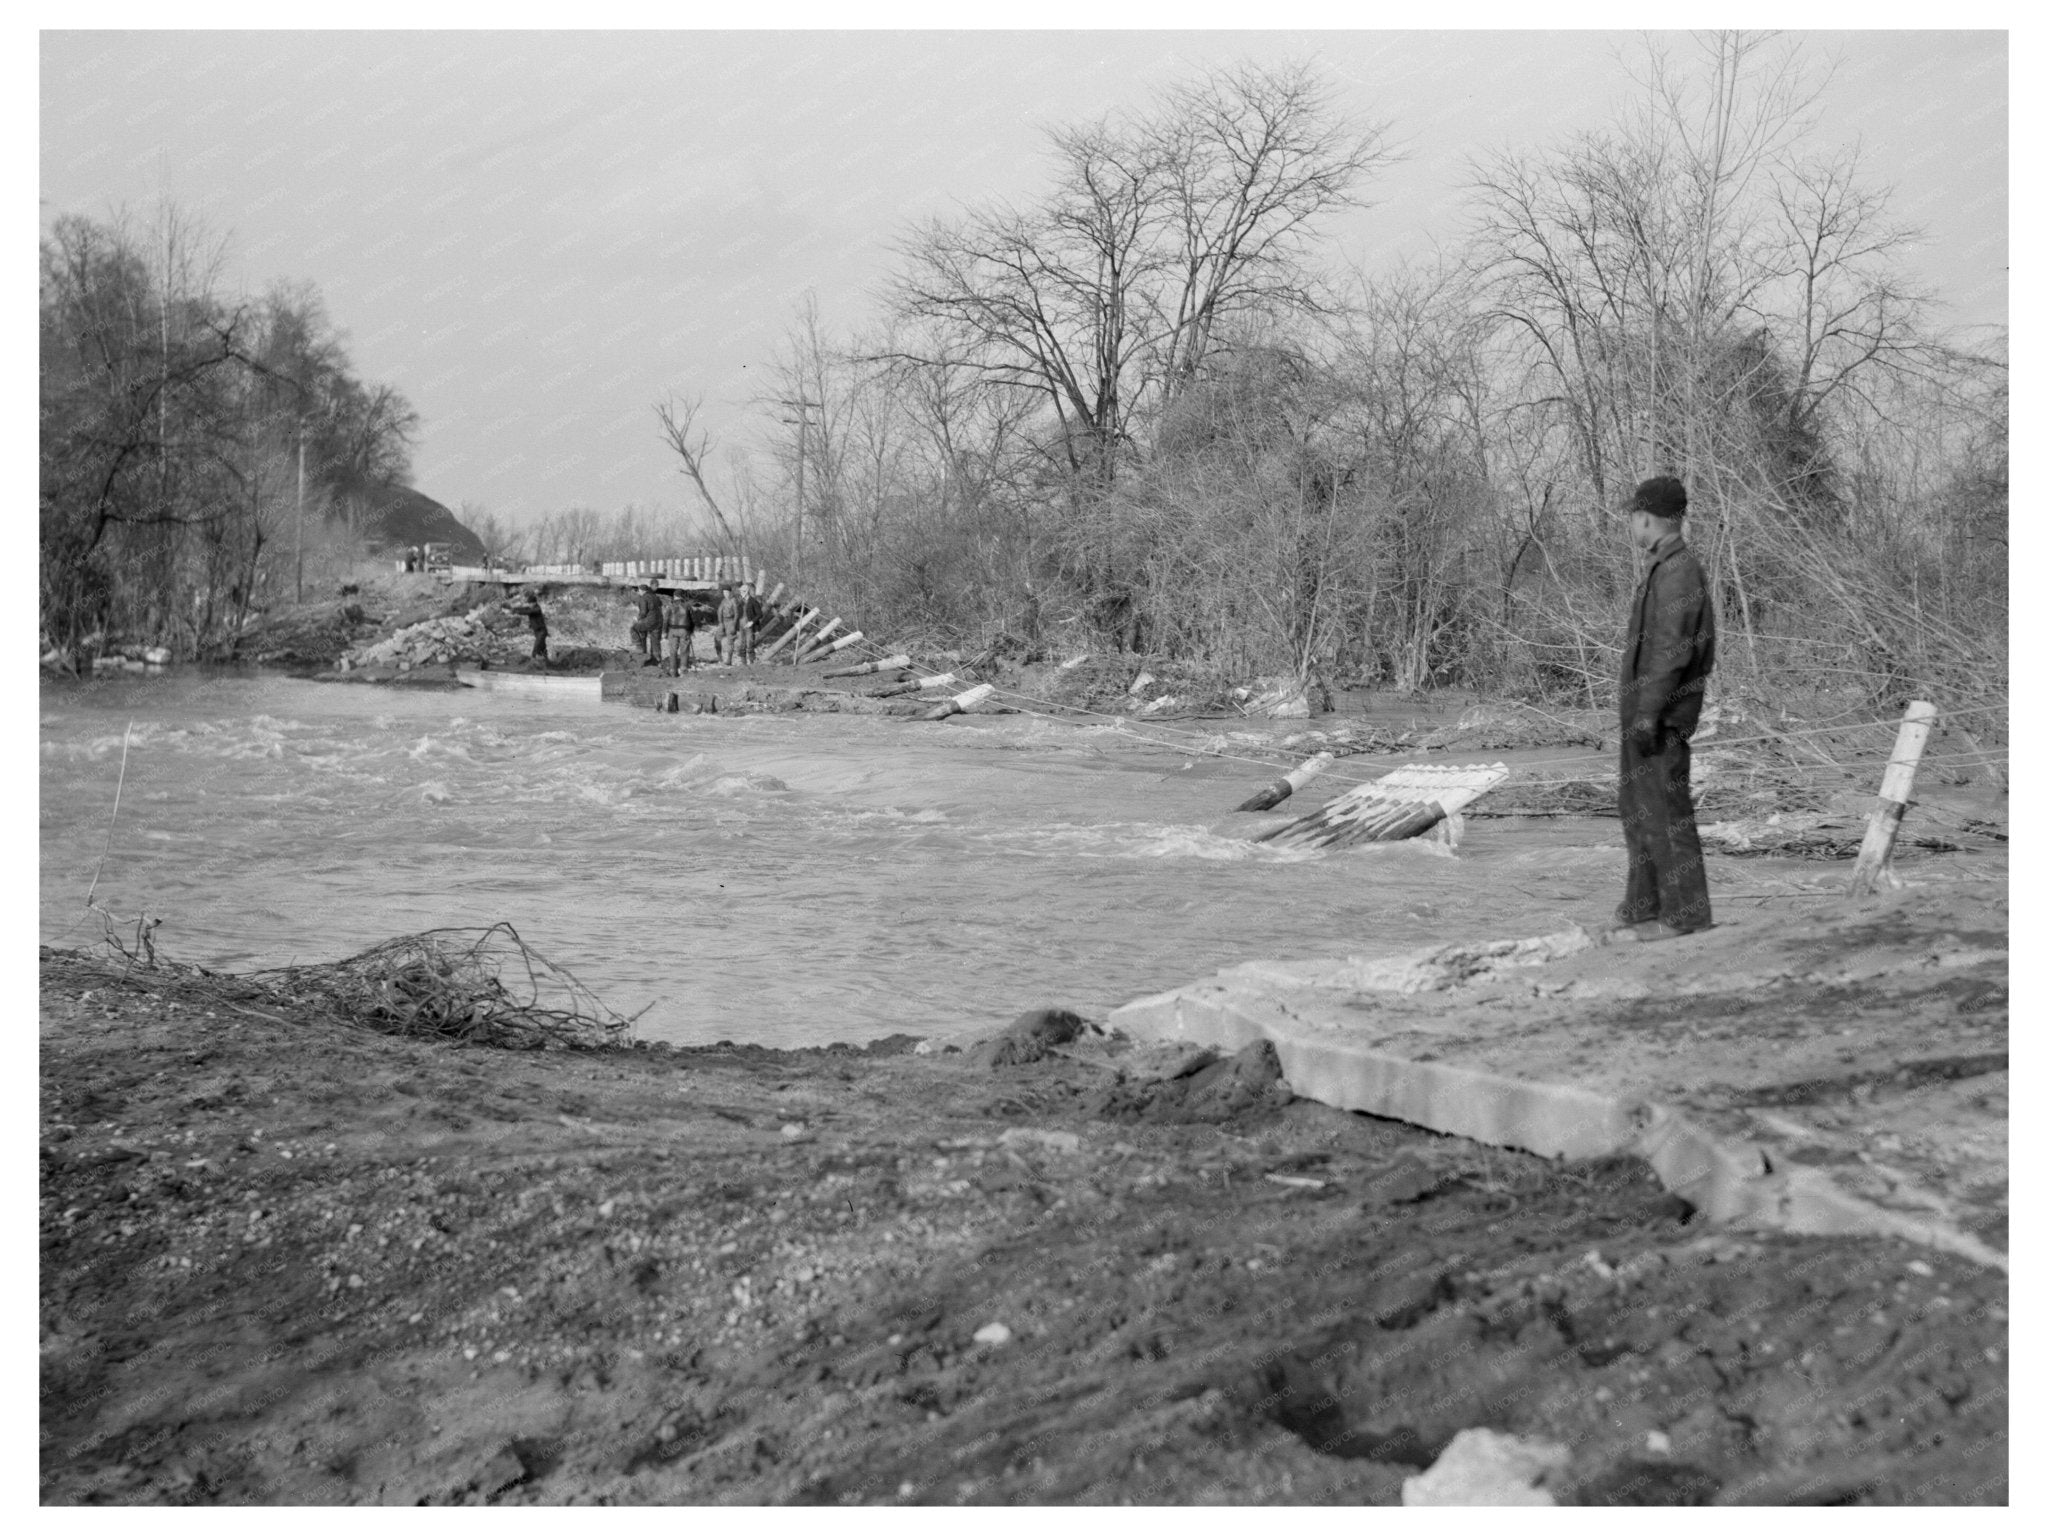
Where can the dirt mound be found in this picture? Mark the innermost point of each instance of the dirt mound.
(1203, 1089)
(315, 635)
(1030, 1037)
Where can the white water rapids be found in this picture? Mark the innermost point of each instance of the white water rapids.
(790, 879)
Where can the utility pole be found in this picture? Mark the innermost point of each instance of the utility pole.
(803, 408)
(299, 582)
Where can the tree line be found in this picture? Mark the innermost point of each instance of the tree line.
(182, 432)
(1150, 405)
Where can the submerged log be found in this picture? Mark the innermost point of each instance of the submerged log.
(1288, 783)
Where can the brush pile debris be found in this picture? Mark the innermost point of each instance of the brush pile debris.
(1147, 687)
(478, 986)
(451, 983)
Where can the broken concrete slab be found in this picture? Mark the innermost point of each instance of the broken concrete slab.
(1844, 1072)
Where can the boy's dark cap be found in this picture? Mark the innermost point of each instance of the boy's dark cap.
(1663, 496)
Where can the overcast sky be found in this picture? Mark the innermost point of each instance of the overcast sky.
(534, 236)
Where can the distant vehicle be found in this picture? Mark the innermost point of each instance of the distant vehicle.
(438, 557)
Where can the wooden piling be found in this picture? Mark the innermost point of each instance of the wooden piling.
(821, 652)
(1288, 783)
(1873, 862)
(790, 633)
(862, 669)
(962, 702)
(1403, 804)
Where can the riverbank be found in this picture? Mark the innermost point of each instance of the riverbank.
(382, 1270)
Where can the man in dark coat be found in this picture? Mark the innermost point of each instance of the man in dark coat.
(650, 624)
(527, 605)
(747, 618)
(1664, 667)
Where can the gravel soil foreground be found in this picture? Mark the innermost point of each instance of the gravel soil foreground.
(293, 1262)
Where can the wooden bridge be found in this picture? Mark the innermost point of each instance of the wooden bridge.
(680, 573)
(785, 618)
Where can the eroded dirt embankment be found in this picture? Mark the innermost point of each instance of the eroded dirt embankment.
(289, 1262)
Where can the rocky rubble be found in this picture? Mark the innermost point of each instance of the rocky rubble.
(484, 633)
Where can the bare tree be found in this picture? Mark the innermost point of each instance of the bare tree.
(693, 446)
(1161, 229)
(1254, 158)
(500, 539)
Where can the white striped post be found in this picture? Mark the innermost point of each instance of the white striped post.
(960, 703)
(1288, 783)
(864, 668)
(1874, 860)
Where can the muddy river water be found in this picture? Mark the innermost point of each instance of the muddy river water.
(781, 879)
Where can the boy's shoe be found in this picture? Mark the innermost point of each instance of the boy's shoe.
(1647, 933)
(1622, 930)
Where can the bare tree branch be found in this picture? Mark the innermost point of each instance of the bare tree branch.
(693, 446)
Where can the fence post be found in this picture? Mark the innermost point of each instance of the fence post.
(1873, 862)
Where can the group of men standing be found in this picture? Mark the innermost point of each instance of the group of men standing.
(665, 635)
(669, 640)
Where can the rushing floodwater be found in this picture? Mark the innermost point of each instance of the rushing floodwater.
(786, 879)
